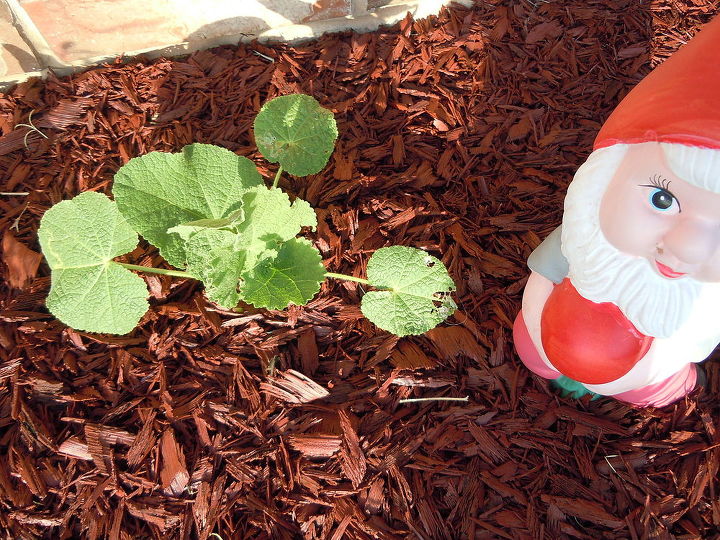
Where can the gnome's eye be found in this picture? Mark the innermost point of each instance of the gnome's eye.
(661, 199)
(660, 196)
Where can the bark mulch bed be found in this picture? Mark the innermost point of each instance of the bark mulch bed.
(458, 135)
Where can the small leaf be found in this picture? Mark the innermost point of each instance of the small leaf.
(293, 277)
(297, 132)
(271, 219)
(158, 191)
(237, 215)
(219, 257)
(88, 291)
(418, 291)
(186, 230)
(213, 257)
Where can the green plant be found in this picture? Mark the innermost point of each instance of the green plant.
(208, 212)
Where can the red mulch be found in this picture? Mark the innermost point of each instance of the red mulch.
(458, 135)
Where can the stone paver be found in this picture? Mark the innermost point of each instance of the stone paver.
(328, 9)
(16, 58)
(78, 30)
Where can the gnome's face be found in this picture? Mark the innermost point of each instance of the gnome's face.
(649, 212)
(638, 235)
(657, 229)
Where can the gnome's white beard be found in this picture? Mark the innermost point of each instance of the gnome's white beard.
(655, 305)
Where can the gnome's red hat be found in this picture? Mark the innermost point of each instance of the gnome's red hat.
(678, 102)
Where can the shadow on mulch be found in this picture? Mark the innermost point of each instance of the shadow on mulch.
(458, 135)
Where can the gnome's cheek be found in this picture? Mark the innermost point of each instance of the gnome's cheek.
(589, 342)
(629, 219)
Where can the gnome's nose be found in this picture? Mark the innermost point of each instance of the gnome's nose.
(693, 241)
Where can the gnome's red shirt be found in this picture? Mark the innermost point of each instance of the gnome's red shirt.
(589, 342)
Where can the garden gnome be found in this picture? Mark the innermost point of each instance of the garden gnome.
(623, 298)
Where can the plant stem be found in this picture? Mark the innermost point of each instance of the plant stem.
(277, 177)
(378, 287)
(347, 278)
(417, 400)
(152, 270)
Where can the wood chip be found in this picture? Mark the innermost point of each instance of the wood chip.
(173, 474)
(294, 387)
(22, 263)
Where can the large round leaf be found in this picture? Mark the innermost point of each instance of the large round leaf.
(88, 291)
(297, 132)
(416, 291)
(158, 191)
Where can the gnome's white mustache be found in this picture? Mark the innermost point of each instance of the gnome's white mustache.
(601, 273)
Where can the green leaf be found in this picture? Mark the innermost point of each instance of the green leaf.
(237, 215)
(158, 191)
(219, 257)
(418, 291)
(214, 258)
(186, 230)
(293, 277)
(271, 219)
(297, 132)
(88, 291)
